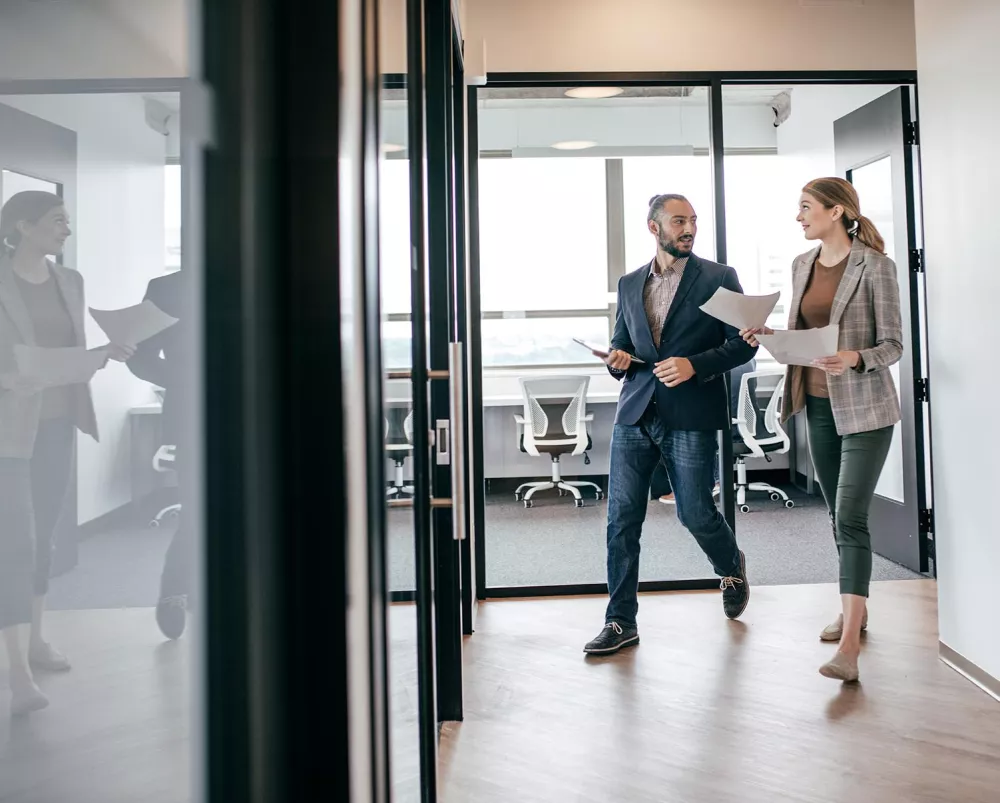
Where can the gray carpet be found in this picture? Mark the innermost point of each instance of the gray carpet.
(555, 543)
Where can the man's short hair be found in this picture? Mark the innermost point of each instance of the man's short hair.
(657, 202)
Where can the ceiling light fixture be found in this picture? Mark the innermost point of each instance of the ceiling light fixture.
(594, 92)
(390, 147)
(574, 145)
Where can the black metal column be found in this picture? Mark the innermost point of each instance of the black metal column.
(726, 491)
(475, 347)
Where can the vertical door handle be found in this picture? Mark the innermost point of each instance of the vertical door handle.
(455, 387)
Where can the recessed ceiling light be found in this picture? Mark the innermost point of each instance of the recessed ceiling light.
(593, 92)
(574, 145)
(390, 147)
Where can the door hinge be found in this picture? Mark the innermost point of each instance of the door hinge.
(913, 133)
(927, 520)
(916, 260)
(922, 389)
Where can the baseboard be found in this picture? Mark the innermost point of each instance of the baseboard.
(983, 679)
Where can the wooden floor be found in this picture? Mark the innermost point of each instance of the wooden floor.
(710, 710)
(118, 727)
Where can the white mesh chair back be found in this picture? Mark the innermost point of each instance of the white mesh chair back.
(772, 415)
(408, 426)
(536, 391)
(747, 416)
(746, 410)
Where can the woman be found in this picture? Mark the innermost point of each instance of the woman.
(41, 304)
(850, 398)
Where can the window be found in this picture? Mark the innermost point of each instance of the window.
(394, 235)
(541, 341)
(172, 217)
(544, 234)
(646, 176)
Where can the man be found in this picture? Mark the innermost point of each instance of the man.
(672, 405)
(164, 360)
(659, 486)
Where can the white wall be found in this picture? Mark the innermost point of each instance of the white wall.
(959, 71)
(119, 230)
(650, 35)
(93, 39)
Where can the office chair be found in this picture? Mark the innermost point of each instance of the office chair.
(399, 448)
(758, 435)
(163, 461)
(535, 436)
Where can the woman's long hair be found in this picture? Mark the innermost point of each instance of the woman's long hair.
(833, 192)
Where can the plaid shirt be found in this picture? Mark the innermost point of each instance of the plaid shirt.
(658, 295)
(866, 307)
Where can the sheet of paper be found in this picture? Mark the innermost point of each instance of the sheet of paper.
(54, 367)
(736, 309)
(801, 346)
(602, 351)
(132, 325)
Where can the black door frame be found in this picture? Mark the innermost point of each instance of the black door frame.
(445, 310)
(890, 119)
(715, 82)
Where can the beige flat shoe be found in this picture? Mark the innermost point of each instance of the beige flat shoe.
(836, 630)
(840, 667)
(46, 658)
(26, 700)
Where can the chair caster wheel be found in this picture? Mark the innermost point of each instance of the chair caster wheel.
(599, 496)
(154, 524)
(579, 503)
(789, 504)
(528, 503)
(744, 508)
(517, 497)
(775, 497)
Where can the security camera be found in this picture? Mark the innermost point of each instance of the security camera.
(781, 105)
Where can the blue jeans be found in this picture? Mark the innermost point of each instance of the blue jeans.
(690, 459)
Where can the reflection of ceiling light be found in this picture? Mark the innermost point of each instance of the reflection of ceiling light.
(389, 147)
(592, 92)
(574, 145)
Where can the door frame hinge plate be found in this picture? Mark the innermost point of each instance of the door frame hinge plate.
(926, 519)
(916, 260)
(922, 389)
(912, 133)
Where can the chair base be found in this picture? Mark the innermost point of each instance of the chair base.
(529, 489)
(742, 487)
(399, 491)
(170, 510)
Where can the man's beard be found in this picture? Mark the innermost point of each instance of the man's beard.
(674, 249)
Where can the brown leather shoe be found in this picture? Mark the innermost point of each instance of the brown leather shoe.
(840, 667)
(834, 631)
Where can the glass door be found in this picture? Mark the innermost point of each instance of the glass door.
(563, 178)
(874, 149)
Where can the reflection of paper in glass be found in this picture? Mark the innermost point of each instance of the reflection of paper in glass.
(54, 367)
(801, 346)
(132, 325)
(736, 309)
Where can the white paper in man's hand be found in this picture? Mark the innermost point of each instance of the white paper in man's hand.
(132, 325)
(741, 311)
(801, 346)
(55, 367)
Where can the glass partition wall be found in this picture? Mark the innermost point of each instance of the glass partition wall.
(565, 173)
